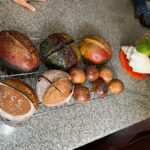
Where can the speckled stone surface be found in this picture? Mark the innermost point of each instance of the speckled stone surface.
(76, 125)
(73, 126)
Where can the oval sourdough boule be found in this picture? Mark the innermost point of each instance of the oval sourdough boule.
(54, 88)
(17, 51)
(18, 101)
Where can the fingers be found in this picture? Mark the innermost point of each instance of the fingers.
(29, 6)
(41, 0)
(26, 4)
(36, 0)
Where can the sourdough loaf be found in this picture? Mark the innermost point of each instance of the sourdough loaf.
(18, 101)
(54, 88)
(18, 52)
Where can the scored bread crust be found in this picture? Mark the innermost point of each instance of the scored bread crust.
(62, 102)
(54, 75)
(43, 85)
(57, 92)
(17, 118)
(23, 88)
(12, 43)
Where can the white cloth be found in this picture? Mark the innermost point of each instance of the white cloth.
(139, 62)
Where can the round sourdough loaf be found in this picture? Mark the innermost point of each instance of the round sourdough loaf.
(60, 50)
(18, 52)
(18, 101)
(54, 88)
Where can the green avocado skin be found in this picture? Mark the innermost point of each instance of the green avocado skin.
(64, 57)
(143, 47)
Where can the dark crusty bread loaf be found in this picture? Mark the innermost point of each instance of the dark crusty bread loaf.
(18, 52)
(60, 50)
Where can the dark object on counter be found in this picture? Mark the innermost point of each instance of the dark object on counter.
(77, 75)
(92, 73)
(60, 50)
(100, 88)
(81, 94)
(106, 74)
(143, 11)
(18, 100)
(17, 52)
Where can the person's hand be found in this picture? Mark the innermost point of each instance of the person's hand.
(26, 4)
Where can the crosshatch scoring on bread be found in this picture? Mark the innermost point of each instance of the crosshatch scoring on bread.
(13, 102)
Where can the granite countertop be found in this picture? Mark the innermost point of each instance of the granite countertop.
(76, 125)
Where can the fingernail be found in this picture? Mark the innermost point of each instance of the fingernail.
(33, 9)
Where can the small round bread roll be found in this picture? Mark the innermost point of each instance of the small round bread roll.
(18, 102)
(116, 86)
